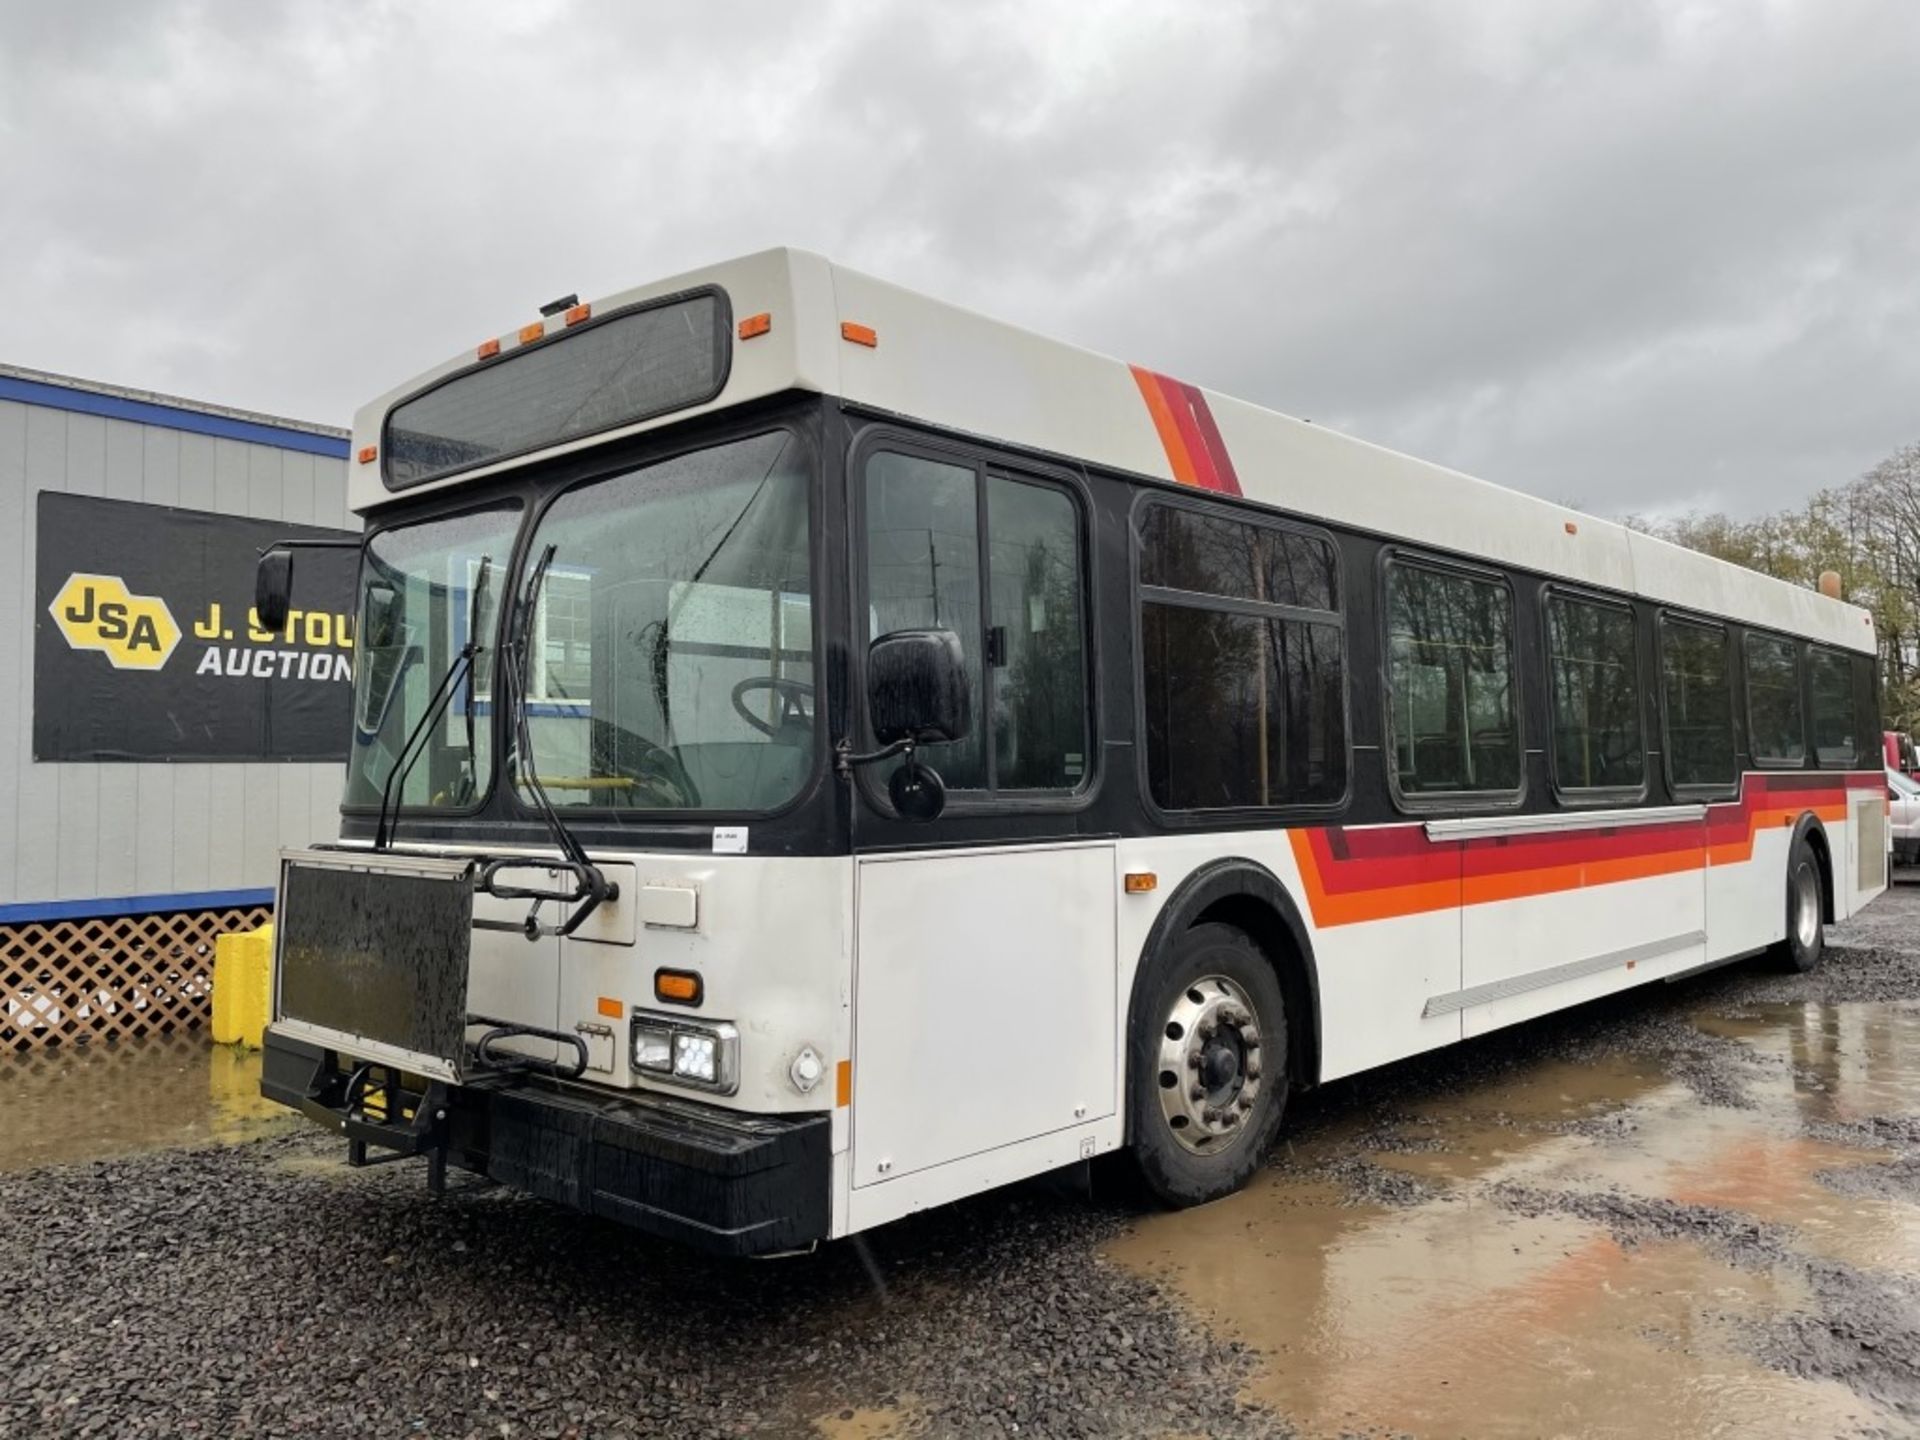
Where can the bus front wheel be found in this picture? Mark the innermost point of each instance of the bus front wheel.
(1806, 927)
(1207, 1066)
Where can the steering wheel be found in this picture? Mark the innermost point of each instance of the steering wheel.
(794, 695)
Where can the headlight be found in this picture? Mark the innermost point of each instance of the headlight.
(706, 1057)
(652, 1046)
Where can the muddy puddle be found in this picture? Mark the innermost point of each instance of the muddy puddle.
(1580, 1249)
(94, 1102)
(879, 1422)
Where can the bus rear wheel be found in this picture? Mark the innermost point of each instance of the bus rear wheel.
(1806, 926)
(1207, 1066)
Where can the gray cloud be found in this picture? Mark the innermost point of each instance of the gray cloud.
(1642, 254)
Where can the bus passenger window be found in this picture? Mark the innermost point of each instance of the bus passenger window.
(1595, 682)
(1036, 637)
(1242, 663)
(1834, 741)
(1776, 734)
(923, 572)
(1451, 713)
(1698, 703)
(1025, 648)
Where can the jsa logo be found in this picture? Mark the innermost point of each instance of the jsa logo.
(96, 612)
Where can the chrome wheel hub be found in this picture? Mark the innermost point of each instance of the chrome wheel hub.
(1209, 1070)
(1806, 906)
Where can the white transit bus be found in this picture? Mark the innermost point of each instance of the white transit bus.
(818, 753)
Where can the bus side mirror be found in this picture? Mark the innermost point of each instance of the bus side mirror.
(273, 588)
(917, 688)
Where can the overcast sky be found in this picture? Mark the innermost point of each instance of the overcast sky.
(1643, 255)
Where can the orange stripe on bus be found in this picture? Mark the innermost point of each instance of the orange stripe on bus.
(1379, 873)
(1164, 423)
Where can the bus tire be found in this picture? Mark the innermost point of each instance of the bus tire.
(1806, 938)
(1207, 1066)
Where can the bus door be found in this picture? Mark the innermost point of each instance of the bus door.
(985, 1002)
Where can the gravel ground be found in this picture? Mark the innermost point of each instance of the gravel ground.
(264, 1290)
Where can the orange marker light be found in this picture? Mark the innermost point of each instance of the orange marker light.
(1141, 882)
(1572, 529)
(755, 325)
(367, 452)
(579, 313)
(488, 349)
(677, 987)
(611, 1008)
(843, 1083)
(533, 332)
(858, 334)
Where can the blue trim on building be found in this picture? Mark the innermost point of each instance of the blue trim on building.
(147, 412)
(41, 911)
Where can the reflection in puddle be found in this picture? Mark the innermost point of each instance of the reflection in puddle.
(1459, 1315)
(90, 1102)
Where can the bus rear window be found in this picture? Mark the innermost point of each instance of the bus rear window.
(631, 366)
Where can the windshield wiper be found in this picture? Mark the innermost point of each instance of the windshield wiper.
(415, 744)
(591, 886)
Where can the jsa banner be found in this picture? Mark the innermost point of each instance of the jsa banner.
(147, 648)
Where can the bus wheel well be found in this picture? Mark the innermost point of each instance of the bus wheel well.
(1816, 837)
(1276, 940)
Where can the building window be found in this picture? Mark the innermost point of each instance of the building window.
(1776, 732)
(1595, 677)
(1835, 736)
(1017, 602)
(1452, 719)
(1242, 663)
(1698, 704)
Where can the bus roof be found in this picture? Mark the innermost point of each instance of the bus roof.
(949, 367)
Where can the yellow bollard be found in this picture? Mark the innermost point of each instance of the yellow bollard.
(242, 964)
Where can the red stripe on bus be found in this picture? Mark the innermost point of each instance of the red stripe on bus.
(1188, 432)
(1216, 447)
(1204, 474)
(1376, 872)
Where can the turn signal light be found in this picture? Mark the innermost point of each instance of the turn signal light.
(1141, 882)
(579, 313)
(677, 987)
(488, 349)
(533, 332)
(858, 334)
(755, 325)
(367, 452)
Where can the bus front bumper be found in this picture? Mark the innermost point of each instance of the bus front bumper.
(713, 1179)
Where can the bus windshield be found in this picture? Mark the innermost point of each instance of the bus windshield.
(671, 664)
(416, 602)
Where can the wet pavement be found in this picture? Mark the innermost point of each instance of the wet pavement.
(1587, 1249)
(1691, 1210)
(91, 1102)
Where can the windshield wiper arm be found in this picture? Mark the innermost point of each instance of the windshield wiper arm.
(473, 635)
(593, 886)
(415, 744)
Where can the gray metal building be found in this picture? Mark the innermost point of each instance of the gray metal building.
(144, 837)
